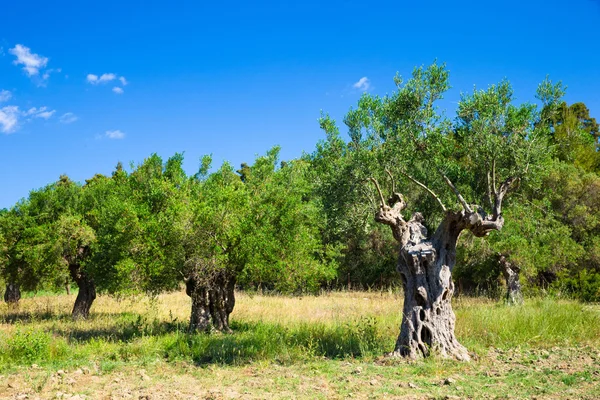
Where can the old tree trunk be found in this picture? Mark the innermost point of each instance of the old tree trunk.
(86, 285)
(511, 275)
(12, 295)
(425, 265)
(213, 300)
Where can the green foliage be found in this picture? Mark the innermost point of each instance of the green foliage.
(300, 225)
(27, 345)
(584, 285)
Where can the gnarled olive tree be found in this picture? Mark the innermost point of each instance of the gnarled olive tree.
(491, 148)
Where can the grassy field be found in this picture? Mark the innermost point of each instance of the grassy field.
(323, 347)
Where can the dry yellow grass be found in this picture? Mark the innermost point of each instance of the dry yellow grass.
(136, 347)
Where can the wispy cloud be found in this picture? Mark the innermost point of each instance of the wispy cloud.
(104, 78)
(32, 63)
(10, 116)
(5, 95)
(9, 119)
(363, 84)
(68, 118)
(117, 90)
(123, 81)
(47, 73)
(41, 112)
(117, 134)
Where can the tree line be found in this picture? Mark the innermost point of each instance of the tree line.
(308, 224)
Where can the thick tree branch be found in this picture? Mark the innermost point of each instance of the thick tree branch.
(504, 187)
(391, 215)
(431, 192)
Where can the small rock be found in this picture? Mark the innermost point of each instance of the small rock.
(10, 385)
(412, 385)
(373, 382)
(357, 370)
(34, 366)
(60, 372)
(449, 381)
(117, 380)
(448, 397)
(22, 396)
(79, 371)
(86, 371)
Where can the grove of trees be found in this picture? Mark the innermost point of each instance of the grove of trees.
(445, 186)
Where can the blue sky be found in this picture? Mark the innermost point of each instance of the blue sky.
(233, 79)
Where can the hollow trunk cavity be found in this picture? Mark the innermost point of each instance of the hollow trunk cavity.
(425, 267)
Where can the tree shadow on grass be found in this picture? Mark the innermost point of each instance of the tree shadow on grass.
(249, 342)
(27, 317)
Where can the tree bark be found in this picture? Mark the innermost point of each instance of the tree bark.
(212, 301)
(514, 294)
(87, 292)
(12, 295)
(425, 265)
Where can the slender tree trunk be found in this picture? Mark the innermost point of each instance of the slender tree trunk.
(68, 286)
(212, 302)
(12, 295)
(513, 286)
(86, 295)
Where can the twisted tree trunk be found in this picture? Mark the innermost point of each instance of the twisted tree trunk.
(213, 300)
(12, 295)
(425, 265)
(513, 286)
(87, 292)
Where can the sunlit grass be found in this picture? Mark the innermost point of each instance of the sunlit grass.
(338, 325)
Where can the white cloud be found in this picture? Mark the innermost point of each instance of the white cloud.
(9, 118)
(117, 134)
(68, 118)
(117, 90)
(123, 80)
(32, 63)
(363, 84)
(41, 112)
(45, 114)
(46, 74)
(95, 79)
(5, 95)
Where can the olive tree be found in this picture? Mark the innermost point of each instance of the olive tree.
(466, 167)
